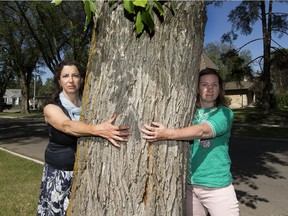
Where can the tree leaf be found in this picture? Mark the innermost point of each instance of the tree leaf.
(159, 7)
(89, 7)
(139, 24)
(92, 6)
(56, 2)
(172, 5)
(129, 6)
(148, 20)
(140, 3)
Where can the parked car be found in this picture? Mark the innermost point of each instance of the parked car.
(6, 106)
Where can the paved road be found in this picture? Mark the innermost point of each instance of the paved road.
(28, 137)
(259, 166)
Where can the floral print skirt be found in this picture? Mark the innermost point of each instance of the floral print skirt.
(54, 192)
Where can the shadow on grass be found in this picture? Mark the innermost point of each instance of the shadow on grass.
(250, 159)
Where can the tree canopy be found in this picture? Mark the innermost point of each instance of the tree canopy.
(38, 34)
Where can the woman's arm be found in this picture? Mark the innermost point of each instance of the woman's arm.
(158, 131)
(57, 118)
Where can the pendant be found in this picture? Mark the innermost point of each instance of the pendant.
(205, 143)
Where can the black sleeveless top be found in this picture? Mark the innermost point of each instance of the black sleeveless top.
(60, 152)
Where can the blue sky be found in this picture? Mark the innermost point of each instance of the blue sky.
(217, 24)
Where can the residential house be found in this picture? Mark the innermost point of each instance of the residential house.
(243, 93)
(206, 62)
(12, 97)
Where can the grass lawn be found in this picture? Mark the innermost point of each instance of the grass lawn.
(260, 125)
(19, 185)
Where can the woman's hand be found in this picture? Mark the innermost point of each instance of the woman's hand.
(156, 132)
(111, 132)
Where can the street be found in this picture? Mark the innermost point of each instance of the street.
(259, 166)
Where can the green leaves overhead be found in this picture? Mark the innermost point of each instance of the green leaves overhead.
(89, 6)
(144, 11)
(56, 2)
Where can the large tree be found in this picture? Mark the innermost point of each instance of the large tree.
(243, 18)
(18, 50)
(148, 78)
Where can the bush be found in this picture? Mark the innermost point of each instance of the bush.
(281, 101)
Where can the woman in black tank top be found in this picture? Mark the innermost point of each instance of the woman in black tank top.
(62, 118)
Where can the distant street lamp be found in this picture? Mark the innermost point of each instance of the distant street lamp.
(34, 95)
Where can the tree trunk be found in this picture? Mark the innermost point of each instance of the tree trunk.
(24, 85)
(142, 79)
(266, 29)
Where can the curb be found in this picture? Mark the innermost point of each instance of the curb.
(22, 156)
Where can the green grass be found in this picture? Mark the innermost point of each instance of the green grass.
(20, 181)
(256, 119)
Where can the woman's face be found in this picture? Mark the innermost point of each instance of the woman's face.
(208, 90)
(70, 79)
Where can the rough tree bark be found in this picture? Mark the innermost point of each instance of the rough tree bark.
(142, 79)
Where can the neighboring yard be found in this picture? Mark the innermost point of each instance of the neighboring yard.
(260, 125)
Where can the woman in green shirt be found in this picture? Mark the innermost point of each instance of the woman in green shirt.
(209, 179)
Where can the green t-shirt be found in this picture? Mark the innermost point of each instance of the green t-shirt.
(209, 160)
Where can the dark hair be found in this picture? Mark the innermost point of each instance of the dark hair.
(220, 100)
(57, 73)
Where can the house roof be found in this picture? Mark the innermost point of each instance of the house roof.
(12, 93)
(243, 85)
(206, 62)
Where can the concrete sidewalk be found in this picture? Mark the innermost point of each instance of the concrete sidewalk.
(259, 166)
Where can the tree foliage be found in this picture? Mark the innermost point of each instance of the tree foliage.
(37, 34)
(233, 65)
(19, 51)
(279, 70)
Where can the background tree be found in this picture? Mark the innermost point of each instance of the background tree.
(237, 69)
(5, 78)
(144, 79)
(18, 49)
(38, 34)
(47, 89)
(279, 70)
(227, 58)
(59, 31)
(243, 19)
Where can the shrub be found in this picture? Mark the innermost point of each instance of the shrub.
(281, 101)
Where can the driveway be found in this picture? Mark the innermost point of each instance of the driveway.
(260, 171)
(259, 166)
